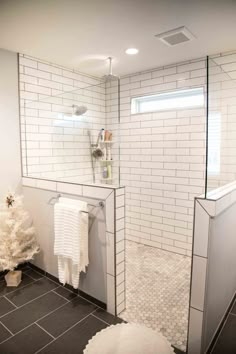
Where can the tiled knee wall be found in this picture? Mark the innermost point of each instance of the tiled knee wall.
(115, 234)
(162, 159)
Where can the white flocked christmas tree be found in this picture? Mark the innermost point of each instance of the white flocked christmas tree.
(17, 235)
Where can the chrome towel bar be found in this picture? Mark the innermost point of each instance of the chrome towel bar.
(100, 204)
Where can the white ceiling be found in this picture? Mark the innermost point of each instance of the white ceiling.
(80, 34)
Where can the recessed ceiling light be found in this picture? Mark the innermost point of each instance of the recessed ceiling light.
(131, 51)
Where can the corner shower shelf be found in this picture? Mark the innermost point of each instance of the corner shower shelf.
(106, 160)
(106, 142)
(106, 179)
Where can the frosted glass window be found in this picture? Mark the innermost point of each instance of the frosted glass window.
(191, 98)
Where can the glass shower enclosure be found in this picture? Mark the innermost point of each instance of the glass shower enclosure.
(221, 122)
(72, 135)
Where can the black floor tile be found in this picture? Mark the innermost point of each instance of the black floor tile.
(23, 266)
(65, 317)
(4, 334)
(4, 289)
(233, 310)
(107, 317)
(26, 315)
(5, 306)
(51, 277)
(178, 351)
(226, 343)
(26, 342)
(2, 275)
(67, 294)
(39, 270)
(75, 340)
(31, 291)
(31, 273)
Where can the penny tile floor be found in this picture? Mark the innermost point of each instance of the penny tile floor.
(157, 291)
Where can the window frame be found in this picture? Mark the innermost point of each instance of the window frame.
(135, 104)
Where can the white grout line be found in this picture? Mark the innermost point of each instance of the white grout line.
(109, 324)
(4, 296)
(13, 335)
(49, 313)
(35, 272)
(38, 351)
(22, 287)
(38, 297)
(43, 329)
(84, 298)
(67, 301)
(7, 329)
(60, 295)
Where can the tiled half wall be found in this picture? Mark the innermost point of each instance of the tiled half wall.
(213, 284)
(109, 225)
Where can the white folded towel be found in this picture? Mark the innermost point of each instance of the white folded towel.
(71, 239)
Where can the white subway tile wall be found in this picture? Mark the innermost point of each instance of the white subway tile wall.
(222, 120)
(162, 159)
(159, 157)
(120, 249)
(54, 144)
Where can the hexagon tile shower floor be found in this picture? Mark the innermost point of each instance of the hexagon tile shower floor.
(157, 291)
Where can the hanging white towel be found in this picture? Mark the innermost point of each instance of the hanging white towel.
(71, 239)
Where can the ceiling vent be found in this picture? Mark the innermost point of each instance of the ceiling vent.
(176, 36)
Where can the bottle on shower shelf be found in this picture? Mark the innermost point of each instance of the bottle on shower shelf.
(102, 135)
(105, 172)
(109, 171)
(104, 150)
(107, 133)
(108, 154)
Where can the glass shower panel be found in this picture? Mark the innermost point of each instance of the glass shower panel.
(61, 132)
(221, 147)
(113, 126)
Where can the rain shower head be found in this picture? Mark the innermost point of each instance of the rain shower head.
(110, 76)
(79, 110)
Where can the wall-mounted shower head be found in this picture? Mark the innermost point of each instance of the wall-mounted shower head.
(110, 76)
(79, 110)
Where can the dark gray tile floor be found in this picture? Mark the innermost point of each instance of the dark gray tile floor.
(226, 342)
(41, 316)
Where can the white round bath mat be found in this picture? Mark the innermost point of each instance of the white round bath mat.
(128, 338)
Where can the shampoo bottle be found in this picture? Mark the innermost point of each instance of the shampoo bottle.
(105, 172)
(109, 171)
(108, 155)
(102, 134)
